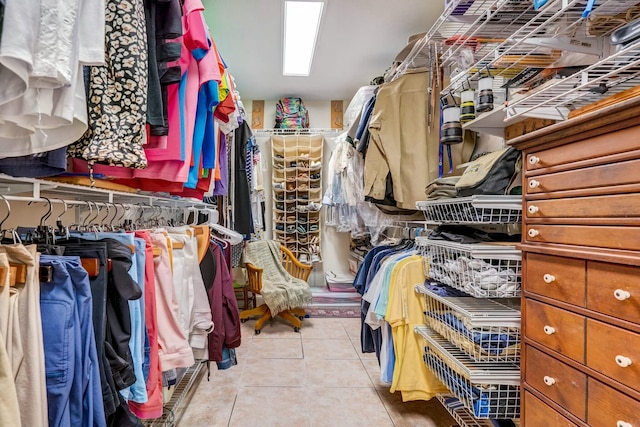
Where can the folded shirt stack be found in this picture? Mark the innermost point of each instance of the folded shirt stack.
(442, 188)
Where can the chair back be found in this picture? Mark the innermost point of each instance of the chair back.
(293, 266)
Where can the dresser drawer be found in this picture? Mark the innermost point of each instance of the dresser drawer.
(560, 383)
(556, 277)
(555, 328)
(609, 408)
(614, 289)
(613, 237)
(621, 141)
(617, 206)
(615, 352)
(593, 177)
(537, 413)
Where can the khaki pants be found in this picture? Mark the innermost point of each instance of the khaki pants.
(30, 378)
(9, 410)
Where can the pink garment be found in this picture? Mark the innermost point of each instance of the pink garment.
(174, 349)
(195, 37)
(171, 160)
(153, 407)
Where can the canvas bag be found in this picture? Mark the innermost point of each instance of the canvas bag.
(291, 113)
(489, 174)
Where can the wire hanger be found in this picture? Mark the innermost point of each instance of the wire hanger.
(14, 234)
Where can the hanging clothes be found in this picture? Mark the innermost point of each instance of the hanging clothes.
(9, 409)
(117, 93)
(224, 308)
(243, 223)
(27, 343)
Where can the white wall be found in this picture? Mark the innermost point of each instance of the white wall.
(335, 246)
(319, 112)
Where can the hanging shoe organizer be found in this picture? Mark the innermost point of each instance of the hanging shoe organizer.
(297, 193)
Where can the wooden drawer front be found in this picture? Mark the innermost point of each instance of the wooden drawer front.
(621, 141)
(555, 328)
(596, 176)
(556, 277)
(618, 206)
(610, 408)
(614, 289)
(615, 352)
(564, 385)
(537, 413)
(627, 238)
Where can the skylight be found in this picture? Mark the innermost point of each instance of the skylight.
(301, 25)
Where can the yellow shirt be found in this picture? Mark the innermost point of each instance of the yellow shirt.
(404, 311)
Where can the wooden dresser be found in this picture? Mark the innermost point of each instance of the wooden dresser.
(581, 271)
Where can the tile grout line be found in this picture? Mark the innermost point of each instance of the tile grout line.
(232, 409)
(384, 406)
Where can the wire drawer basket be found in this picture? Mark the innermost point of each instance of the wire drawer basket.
(487, 330)
(486, 390)
(481, 270)
(473, 210)
(461, 414)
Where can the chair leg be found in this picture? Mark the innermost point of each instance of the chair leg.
(291, 319)
(245, 297)
(258, 311)
(261, 321)
(298, 312)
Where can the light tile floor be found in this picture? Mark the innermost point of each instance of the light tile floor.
(314, 378)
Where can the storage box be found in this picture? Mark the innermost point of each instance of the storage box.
(340, 282)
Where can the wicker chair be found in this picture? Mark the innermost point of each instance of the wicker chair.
(254, 279)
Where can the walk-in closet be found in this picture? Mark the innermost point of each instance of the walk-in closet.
(320, 213)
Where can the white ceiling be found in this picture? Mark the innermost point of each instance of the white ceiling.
(358, 40)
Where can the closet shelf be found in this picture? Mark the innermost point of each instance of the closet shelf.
(487, 390)
(488, 270)
(487, 330)
(29, 189)
(611, 75)
(527, 38)
(473, 210)
(508, 36)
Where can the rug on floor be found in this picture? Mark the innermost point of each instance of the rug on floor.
(333, 312)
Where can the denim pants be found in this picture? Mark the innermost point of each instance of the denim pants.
(98, 250)
(74, 390)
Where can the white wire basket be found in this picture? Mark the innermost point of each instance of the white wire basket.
(461, 414)
(481, 270)
(486, 390)
(473, 210)
(487, 330)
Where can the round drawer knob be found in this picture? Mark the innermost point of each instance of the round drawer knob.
(549, 278)
(549, 330)
(533, 232)
(623, 361)
(534, 184)
(549, 380)
(533, 209)
(621, 423)
(534, 160)
(621, 294)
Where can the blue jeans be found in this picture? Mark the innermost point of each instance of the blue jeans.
(74, 390)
